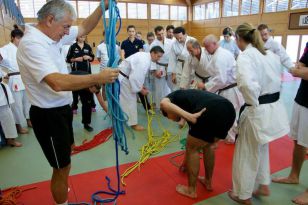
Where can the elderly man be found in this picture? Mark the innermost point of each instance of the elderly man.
(162, 75)
(197, 62)
(178, 55)
(275, 47)
(47, 82)
(221, 68)
(133, 71)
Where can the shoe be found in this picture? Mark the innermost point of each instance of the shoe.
(13, 143)
(75, 112)
(88, 128)
(93, 109)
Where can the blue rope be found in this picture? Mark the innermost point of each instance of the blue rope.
(118, 117)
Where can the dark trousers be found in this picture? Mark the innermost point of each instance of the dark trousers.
(86, 98)
(144, 100)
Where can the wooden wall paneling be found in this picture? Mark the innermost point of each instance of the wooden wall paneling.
(2, 38)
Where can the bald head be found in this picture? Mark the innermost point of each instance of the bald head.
(210, 42)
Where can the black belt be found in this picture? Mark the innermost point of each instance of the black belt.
(226, 88)
(182, 61)
(14, 73)
(264, 99)
(6, 95)
(164, 65)
(123, 74)
(204, 79)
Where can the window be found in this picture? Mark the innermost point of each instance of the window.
(230, 7)
(85, 8)
(292, 47)
(178, 13)
(137, 11)
(122, 9)
(276, 5)
(250, 7)
(212, 10)
(159, 11)
(278, 39)
(299, 4)
(29, 8)
(206, 11)
(199, 12)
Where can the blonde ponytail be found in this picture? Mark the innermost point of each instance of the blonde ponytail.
(246, 32)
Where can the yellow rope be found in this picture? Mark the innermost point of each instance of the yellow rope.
(154, 145)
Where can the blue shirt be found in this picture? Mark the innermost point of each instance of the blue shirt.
(230, 46)
(131, 48)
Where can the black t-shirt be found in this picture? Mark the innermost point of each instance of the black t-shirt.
(131, 48)
(193, 101)
(74, 52)
(302, 93)
(215, 122)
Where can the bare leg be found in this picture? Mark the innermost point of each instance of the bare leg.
(299, 153)
(209, 163)
(193, 146)
(301, 199)
(59, 184)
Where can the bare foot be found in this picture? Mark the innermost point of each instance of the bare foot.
(263, 190)
(206, 183)
(301, 199)
(21, 130)
(29, 123)
(286, 180)
(184, 190)
(13, 143)
(137, 127)
(238, 200)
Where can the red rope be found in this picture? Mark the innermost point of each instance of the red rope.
(98, 139)
(9, 196)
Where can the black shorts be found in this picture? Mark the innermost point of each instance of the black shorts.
(54, 131)
(214, 123)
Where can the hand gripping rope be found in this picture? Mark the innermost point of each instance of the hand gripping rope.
(118, 117)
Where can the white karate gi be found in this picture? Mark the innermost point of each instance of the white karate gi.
(221, 68)
(178, 53)
(259, 124)
(279, 50)
(194, 65)
(161, 86)
(21, 106)
(135, 67)
(6, 116)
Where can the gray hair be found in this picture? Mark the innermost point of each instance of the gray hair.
(194, 43)
(57, 8)
(210, 39)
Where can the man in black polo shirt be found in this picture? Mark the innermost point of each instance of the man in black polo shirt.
(129, 47)
(299, 129)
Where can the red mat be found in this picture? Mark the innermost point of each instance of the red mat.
(155, 184)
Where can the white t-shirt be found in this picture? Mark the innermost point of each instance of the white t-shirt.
(102, 53)
(39, 56)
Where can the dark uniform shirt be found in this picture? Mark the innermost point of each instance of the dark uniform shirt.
(215, 122)
(131, 48)
(74, 52)
(302, 93)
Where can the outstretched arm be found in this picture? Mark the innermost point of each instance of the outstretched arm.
(169, 107)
